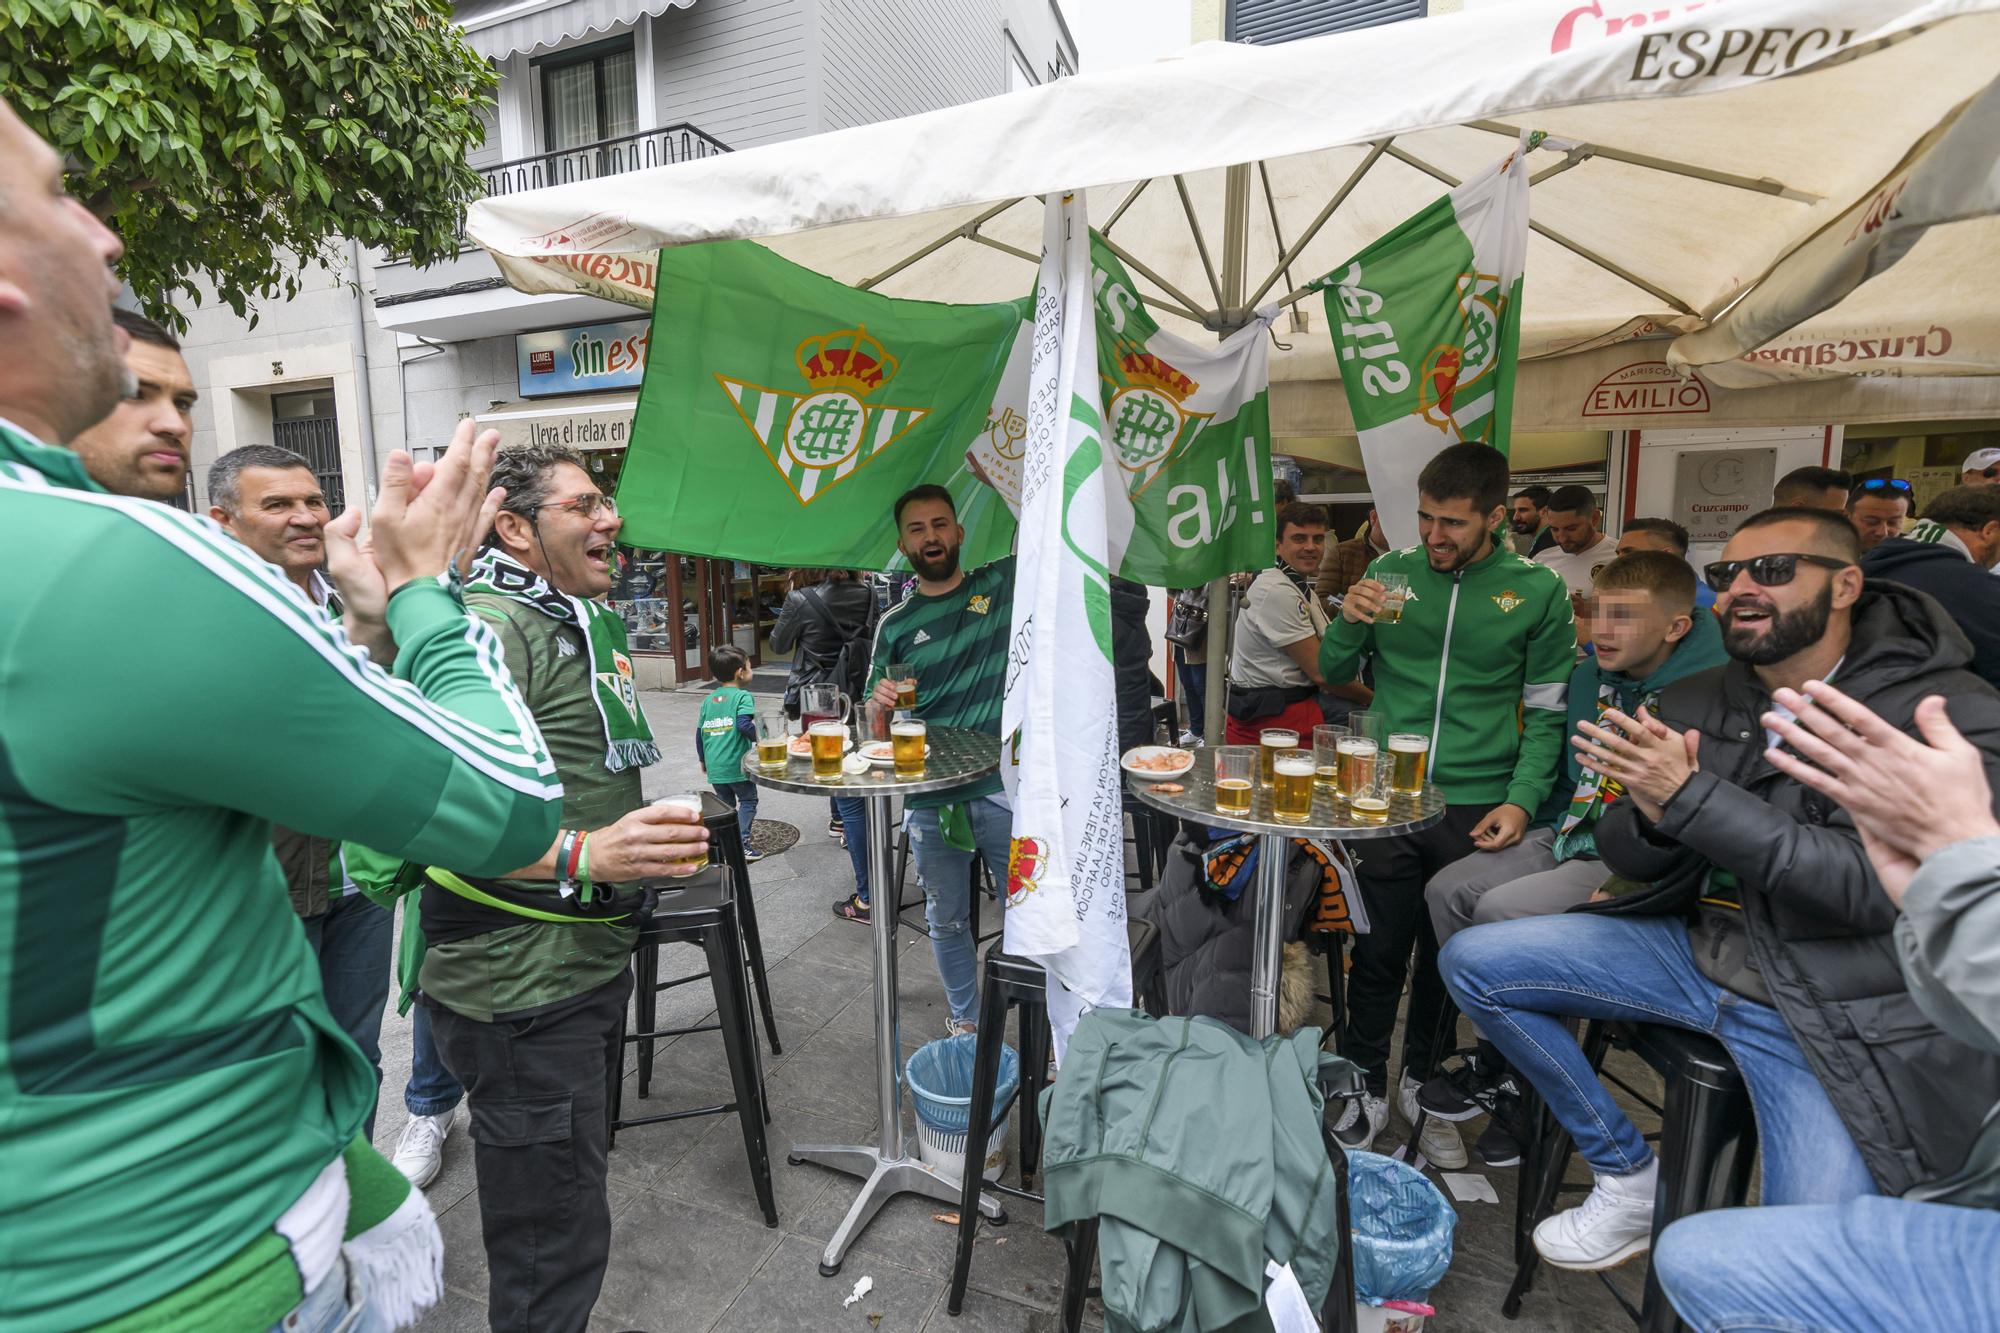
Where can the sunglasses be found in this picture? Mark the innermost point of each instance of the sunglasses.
(1877, 484)
(1766, 571)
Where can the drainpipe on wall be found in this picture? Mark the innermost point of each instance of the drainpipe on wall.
(364, 397)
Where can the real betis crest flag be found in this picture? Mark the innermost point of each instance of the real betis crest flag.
(783, 413)
(1189, 425)
(1066, 869)
(1426, 323)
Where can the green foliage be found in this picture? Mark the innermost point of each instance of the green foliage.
(237, 137)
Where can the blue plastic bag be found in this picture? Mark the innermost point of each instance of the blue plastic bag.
(939, 1077)
(1402, 1229)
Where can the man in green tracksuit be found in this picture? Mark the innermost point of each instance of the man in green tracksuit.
(181, 1112)
(1479, 662)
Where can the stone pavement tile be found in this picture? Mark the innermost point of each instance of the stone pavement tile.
(456, 1313)
(845, 944)
(829, 1073)
(788, 1293)
(1019, 1261)
(807, 993)
(643, 1152)
(465, 1249)
(677, 1266)
(717, 1172)
(987, 1313)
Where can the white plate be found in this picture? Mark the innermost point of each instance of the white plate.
(1185, 759)
(883, 753)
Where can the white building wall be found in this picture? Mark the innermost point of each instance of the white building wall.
(737, 69)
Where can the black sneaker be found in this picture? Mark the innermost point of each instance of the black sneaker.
(1499, 1143)
(836, 829)
(1461, 1093)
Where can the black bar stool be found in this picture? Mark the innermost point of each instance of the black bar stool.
(699, 910)
(1707, 1147)
(725, 835)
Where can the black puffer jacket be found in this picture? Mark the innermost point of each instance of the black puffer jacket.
(818, 622)
(1820, 926)
(1969, 594)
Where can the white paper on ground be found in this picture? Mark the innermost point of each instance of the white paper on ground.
(1285, 1301)
(1468, 1188)
(861, 1288)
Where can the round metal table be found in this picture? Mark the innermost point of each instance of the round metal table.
(957, 758)
(1329, 819)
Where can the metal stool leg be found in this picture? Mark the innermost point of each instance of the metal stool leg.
(985, 1076)
(646, 995)
(739, 1039)
(1082, 1254)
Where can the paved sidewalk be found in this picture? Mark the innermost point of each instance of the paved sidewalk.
(690, 1252)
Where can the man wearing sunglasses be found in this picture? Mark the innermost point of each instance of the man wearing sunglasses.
(1751, 911)
(1878, 508)
(1980, 468)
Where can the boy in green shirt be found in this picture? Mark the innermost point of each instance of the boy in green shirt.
(725, 733)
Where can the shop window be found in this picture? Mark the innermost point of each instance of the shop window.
(588, 96)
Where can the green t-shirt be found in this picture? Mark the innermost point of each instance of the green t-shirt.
(957, 641)
(723, 744)
(539, 963)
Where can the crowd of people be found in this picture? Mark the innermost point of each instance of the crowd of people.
(1756, 802)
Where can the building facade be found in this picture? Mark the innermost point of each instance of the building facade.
(377, 354)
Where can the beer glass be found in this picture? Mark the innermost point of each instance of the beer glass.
(690, 802)
(823, 703)
(1326, 757)
(1272, 740)
(1359, 758)
(771, 753)
(1368, 724)
(1409, 753)
(905, 677)
(829, 743)
(1369, 803)
(1292, 793)
(907, 736)
(1235, 778)
(1395, 591)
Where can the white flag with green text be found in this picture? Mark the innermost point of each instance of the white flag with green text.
(1426, 324)
(1066, 867)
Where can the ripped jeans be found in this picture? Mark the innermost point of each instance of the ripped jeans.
(947, 875)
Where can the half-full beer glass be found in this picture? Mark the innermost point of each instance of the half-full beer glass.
(906, 736)
(1235, 778)
(1272, 740)
(692, 803)
(771, 740)
(829, 743)
(1395, 591)
(1292, 792)
(905, 677)
(1409, 753)
(1326, 756)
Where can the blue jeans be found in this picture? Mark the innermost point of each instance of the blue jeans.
(339, 1304)
(853, 813)
(432, 1089)
(1865, 1264)
(1194, 688)
(353, 939)
(1516, 980)
(742, 798)
(947, 876)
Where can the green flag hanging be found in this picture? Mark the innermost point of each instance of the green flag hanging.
(1426, 324)
(783, 413)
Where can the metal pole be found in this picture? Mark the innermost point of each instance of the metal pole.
(888, 1040)
(364, 396)
(1215, 652)
(1221, 596)
(1267, 955)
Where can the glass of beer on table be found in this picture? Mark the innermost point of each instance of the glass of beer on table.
(1235, 778)
(1369, 802)
(1292, 792)
(905, 677)
(1395, 591)
(692, 803)
(1359, 758)
(1326, 756)
(1271, 740)
(829, 744)
(907, 737)
(771, 752)
(1409, 755)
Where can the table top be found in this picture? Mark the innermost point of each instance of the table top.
(1329, 819)
(957, 757)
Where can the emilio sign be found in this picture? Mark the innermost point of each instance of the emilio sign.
(580, 360)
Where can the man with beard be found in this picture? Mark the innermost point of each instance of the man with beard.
(1755, 916)
(952, 631)
(1525, 520)
(1492, 633)
(141, 449)
(1581, 548)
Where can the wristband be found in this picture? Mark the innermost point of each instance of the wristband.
(583, 866)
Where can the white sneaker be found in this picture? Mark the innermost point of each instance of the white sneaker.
(1611, 1225)
(420, 1152)
(1361, 1122)
(1189, 740)
(1441, 1144)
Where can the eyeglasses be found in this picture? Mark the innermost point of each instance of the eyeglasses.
(1877, 484)
(585, 506)
(1766, 571)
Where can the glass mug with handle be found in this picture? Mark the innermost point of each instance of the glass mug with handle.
(823, 703)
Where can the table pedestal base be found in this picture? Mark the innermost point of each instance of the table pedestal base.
(883, 1179)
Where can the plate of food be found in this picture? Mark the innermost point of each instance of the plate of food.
(883, 753)
(1157, 761)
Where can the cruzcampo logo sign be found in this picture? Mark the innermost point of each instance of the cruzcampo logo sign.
(770, 388)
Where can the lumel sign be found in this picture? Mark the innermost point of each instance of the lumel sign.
(579, 360)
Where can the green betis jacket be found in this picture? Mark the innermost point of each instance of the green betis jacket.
(1480, 663)
(1198, 1150)
(170, 1079)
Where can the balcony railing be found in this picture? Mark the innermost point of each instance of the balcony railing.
(607, 157)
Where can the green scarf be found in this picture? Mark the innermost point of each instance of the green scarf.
(628, 739)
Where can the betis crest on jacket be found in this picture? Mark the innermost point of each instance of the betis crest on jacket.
(821, 436)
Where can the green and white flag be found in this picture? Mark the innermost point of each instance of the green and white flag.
(1190, 429)
(1426, 324)
(783, 412)
(1066, 867)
